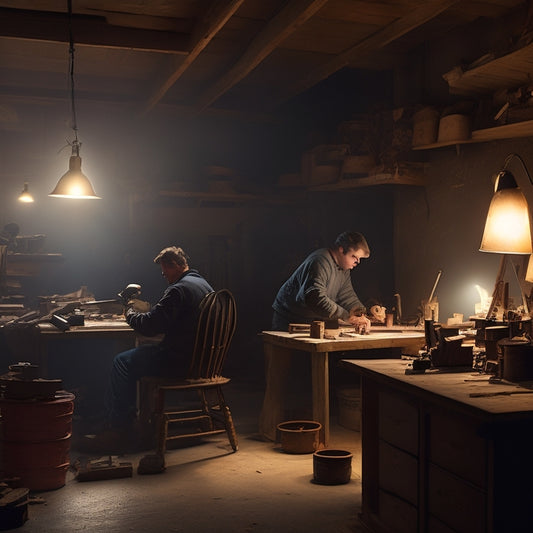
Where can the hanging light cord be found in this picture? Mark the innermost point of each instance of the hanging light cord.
(508, 160)
(75, 143)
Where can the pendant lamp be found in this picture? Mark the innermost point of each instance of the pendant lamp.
(25, 196)
(73, 184)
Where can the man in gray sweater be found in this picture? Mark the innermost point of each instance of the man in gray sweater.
(321, 287)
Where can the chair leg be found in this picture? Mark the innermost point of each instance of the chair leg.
(228, 420)
(205, 408)
(162, 423)
(146, 400)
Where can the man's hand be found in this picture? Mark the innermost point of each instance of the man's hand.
(138, 306)
(132, 291)
(360, 321)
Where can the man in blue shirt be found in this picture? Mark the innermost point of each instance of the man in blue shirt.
(174, 316)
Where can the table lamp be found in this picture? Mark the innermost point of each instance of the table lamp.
(507, 227)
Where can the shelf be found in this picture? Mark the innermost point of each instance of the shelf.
(508, 131)
(30, 264)
(397, 178)
(505, 72)
(209, 197)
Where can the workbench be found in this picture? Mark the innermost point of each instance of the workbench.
(444, 451)
(117, 331)
(279, 347)
(82, 358)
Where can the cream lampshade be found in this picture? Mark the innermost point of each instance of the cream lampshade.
(507, 228)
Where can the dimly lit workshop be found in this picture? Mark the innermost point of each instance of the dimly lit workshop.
(266, 265)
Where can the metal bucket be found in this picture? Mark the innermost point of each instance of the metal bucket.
(332, 467)
(299, 436)
(36, 440)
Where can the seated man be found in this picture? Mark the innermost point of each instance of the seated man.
(321, 287)
(175, 316)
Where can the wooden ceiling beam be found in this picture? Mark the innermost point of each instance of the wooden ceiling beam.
(87, 30)
(294, 14)
(220, 12)
(376, 41)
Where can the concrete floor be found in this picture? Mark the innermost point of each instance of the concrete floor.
(206, 487)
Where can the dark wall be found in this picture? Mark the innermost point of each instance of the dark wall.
(440, 227)
(250, 246)
(253, 246)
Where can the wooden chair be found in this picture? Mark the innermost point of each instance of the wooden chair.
(209, 414)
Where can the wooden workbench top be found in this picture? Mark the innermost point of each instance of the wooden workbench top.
(374, 339)
(468, 388)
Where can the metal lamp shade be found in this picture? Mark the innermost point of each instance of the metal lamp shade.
(25, 196)
(74, 184)
(507, 228)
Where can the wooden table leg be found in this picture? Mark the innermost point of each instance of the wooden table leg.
(320, 384)
(277, 367)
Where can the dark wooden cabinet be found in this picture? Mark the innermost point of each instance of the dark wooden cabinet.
(442, 453)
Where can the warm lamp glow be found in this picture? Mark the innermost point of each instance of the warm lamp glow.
(25, 197)
(529, 272)
(74, 184)
(507, 228)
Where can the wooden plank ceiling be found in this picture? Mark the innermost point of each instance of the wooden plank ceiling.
(202, 55)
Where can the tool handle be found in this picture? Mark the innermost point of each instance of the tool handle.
(434, 286)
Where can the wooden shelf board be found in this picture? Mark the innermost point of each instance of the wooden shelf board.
(209, 197)
(506, 72)
(441, 144)
(369, 181)
(508, 131)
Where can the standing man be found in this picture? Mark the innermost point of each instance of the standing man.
(174, 316)
(321, 287)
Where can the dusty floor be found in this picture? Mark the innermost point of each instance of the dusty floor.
(206, 487)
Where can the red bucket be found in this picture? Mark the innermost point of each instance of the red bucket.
(36, 440)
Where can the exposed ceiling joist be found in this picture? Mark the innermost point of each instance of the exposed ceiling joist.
(295, 13)
(89, 31)
(205, 30)
(378, 40)
(239, 56)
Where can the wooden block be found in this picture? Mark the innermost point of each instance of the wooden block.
(299, 328)
(14, 497)
(99, 470)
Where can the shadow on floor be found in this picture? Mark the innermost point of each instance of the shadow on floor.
(207, 487)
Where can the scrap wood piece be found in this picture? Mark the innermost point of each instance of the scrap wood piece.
(14, 497)
(299, 328)
(100, 469)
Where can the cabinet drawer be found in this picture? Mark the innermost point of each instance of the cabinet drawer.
(456, 502)
(398, 422)
(398, 472)
(455, 445)
(396, 514)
